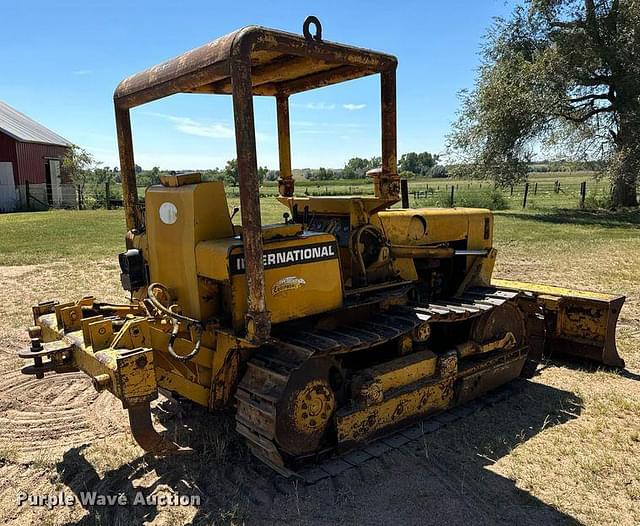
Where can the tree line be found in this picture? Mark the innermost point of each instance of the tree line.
(410, 165)
(89, 175)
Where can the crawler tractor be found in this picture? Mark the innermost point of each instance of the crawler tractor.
(351, 318)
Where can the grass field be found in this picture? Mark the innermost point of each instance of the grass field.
(565, 449)
(437, 192)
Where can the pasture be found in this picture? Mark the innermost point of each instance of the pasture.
(546, 190)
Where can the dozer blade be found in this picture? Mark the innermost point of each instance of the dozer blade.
(567, 321)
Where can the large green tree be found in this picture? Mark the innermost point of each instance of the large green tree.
(357, 168)
(417, 163)
(559, 76)
(232, 176)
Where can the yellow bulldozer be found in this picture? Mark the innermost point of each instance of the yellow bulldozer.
(351, 318)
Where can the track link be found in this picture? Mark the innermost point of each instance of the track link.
(261, 387)
(336, 464)
(268, 372)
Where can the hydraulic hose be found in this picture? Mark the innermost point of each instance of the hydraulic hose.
(354, 242)
(175, 319)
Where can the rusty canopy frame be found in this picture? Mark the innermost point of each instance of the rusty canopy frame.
(255, 61)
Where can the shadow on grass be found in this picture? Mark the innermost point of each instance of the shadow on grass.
(604, 218)
(576, 364)
(441, 478)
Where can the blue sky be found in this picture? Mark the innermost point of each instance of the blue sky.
(60, 62)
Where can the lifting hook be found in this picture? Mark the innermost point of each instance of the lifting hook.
(305, 28)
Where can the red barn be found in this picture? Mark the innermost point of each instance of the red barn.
(31, 153)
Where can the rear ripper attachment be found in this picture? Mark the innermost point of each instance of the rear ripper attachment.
(112, 345)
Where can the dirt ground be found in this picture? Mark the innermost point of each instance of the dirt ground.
(563, 449)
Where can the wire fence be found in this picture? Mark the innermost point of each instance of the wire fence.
(533, 195)
(571, 193)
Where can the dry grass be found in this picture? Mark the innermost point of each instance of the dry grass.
(564, 449)
(589, 467)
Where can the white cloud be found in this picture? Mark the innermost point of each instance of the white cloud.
(214, 130)
(82, 72)
(325, 106)
(319, 106)
(325, 128)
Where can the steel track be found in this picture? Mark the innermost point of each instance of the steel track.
(267, 375)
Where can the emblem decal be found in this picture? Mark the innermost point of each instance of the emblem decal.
(288, 256)
(288, 283)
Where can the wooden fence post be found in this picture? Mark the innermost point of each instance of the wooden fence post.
(404, 193)
(28, 196)
(451, 201)
(535, 189)
(583, 193)
(106, 195)
(526, 193)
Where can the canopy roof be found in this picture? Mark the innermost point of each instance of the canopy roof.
(281, 63)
